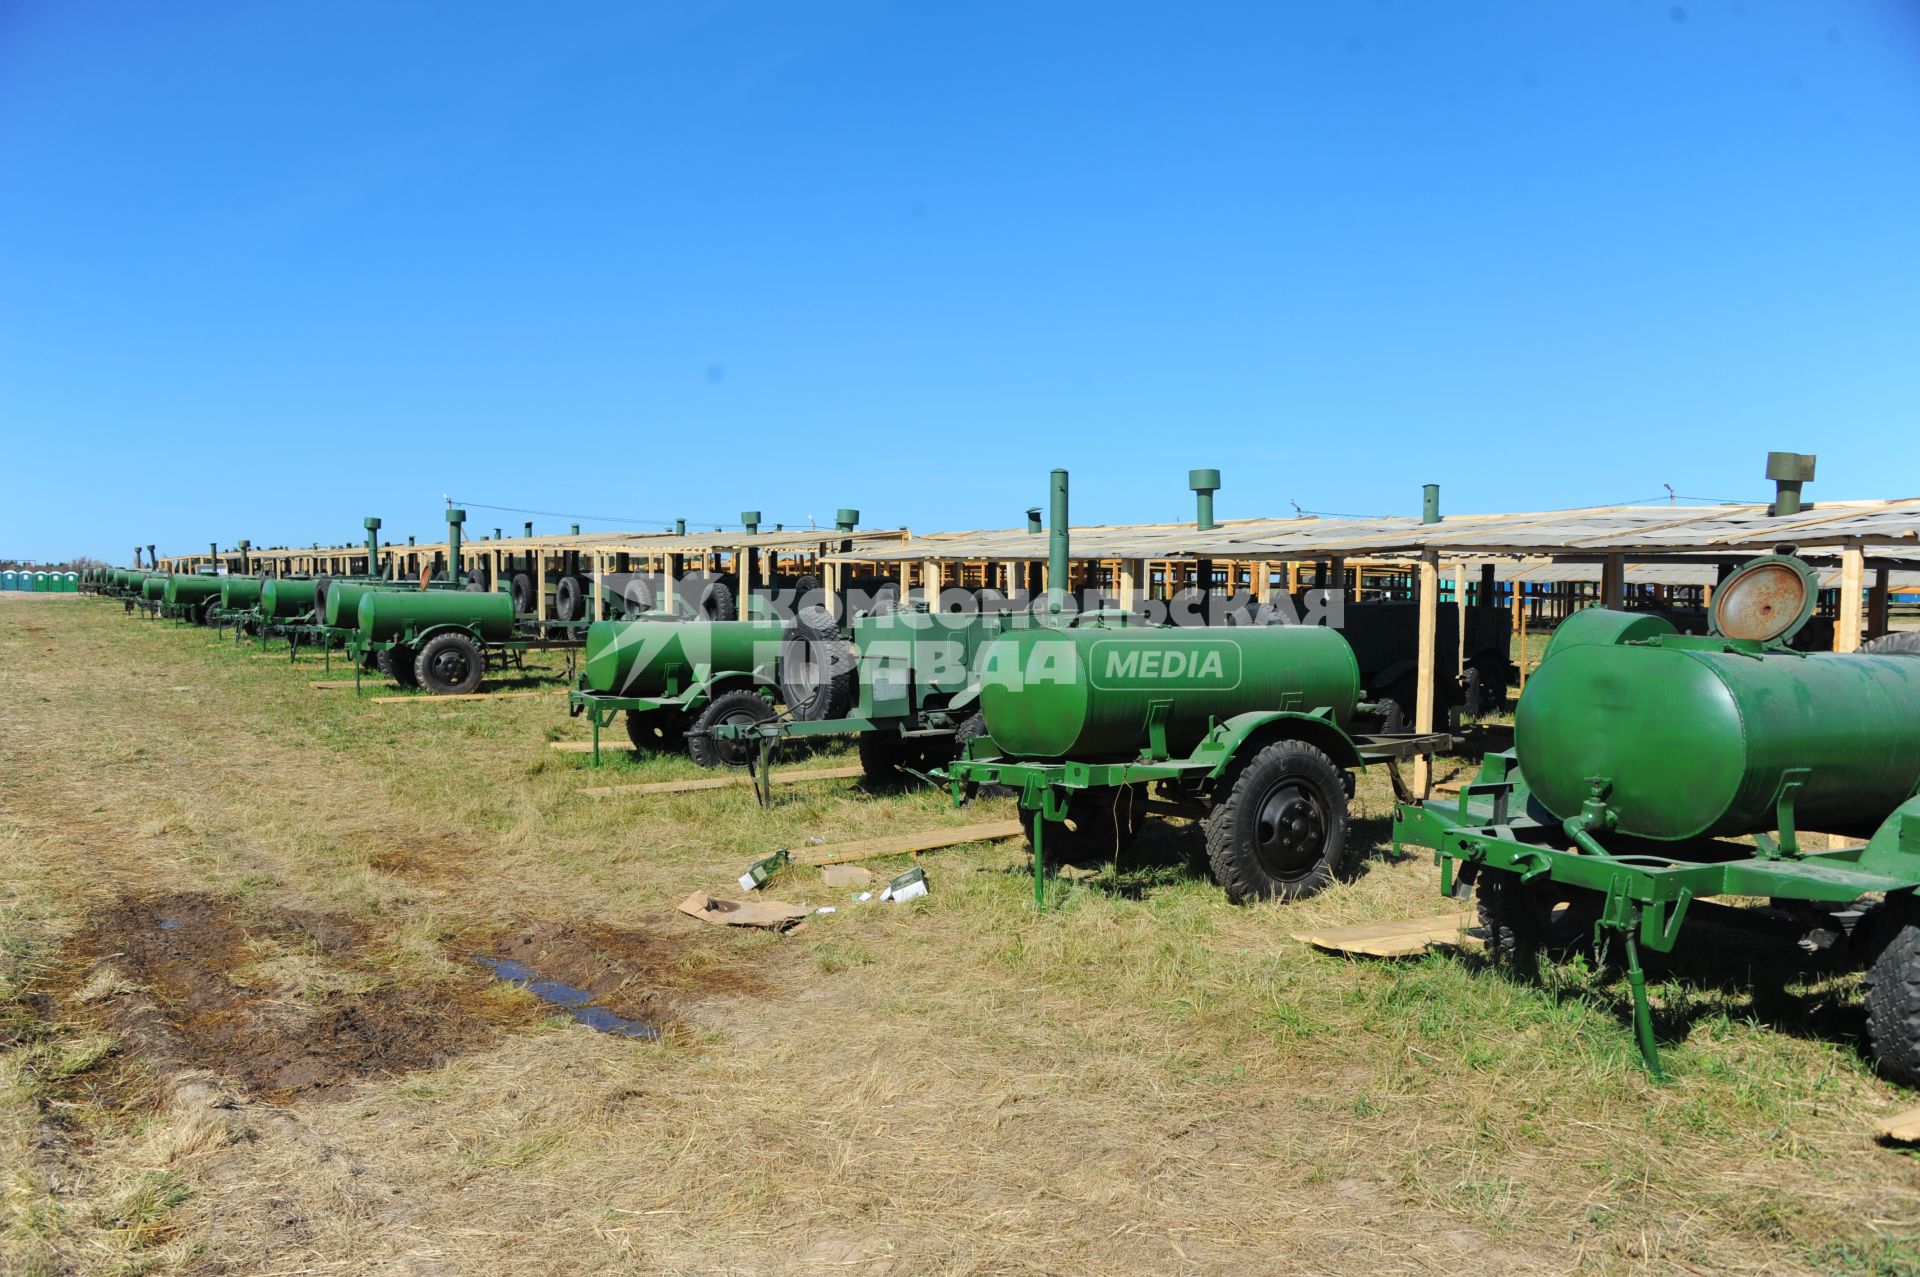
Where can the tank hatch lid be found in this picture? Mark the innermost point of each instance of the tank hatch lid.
(1766, 601)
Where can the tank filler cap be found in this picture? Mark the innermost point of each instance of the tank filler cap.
(1765, 601)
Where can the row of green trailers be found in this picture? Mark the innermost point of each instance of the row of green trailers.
(1656, 777)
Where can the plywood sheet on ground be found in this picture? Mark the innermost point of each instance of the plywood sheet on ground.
(1400, 938)
(835, 853)
(717, 782)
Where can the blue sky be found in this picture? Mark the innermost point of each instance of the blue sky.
(267, 268)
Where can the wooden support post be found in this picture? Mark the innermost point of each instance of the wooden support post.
(1429, 594)
(1853, 583)
(540, 584)
(930, 583)
(1460, 612)
(743, 559)
(599, 586)
(1877, 604)
(1613, 581)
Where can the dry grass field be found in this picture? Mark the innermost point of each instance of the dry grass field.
(243, 1030)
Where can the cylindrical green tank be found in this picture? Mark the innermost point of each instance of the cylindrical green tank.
(632, 658)
(343, 600)
(240, 592)
(1697, 734)
(1086, 693)
(183, 590)
(385, 616)
(283, 598)
(154, 588)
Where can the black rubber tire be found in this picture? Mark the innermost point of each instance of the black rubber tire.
(474, 586)
(450, 665)
(207, 609)
(636, 595)
(321, 584)
(741, 706)
(521, 586)
(815, 667)
(1898, 643)
(717, 603)
(1893, 993)
(806, 589)
(657, 731)
(396, 663)
(972, 729)
(1100, 824)
(1526, 920)
(1278, 830)
(569, 599)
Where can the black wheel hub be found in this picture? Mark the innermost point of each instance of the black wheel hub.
(737, 751)
(450, 666)
(1289, 830)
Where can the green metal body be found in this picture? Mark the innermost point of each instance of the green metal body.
(1697, 736)
(240, 593)
(667, 659)
(343, 601)
(153, 589)
(285, 598)
(665, 666)
(1640, 753)
(388, 617)
(1097, 692)
(920, 667)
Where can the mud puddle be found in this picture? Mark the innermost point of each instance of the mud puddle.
(283, 1004)
(577, 1002)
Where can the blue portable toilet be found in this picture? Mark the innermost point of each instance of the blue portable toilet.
(9, 579)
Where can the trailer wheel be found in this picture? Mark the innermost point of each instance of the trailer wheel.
(396, 663)
(657, 731)
(449, 665)
(881, 755)
(636, 596)
(717, 603)
(1893, 995)
(568, 599)
(972, 729)
(815, 667)
(1100, 824)
(1280, 830)
(735, 708)
(208, 608)
(522, 589)
(1524, 920)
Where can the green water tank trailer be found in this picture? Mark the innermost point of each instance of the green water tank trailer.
(1697, 735)
(238, 593)
(342, 611)
(385, 617)
(153, 588)
(633, 658)
(183, 590)
(284, 598)
(1088, 692)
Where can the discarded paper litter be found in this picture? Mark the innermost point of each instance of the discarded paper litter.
(776, 914)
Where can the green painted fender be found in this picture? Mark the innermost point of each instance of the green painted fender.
(1244, 734)
(1894, 849)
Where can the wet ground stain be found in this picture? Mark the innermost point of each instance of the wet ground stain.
(577, 1002)
(284, 1005)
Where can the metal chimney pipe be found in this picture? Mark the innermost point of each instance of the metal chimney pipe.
(845, 520)
(454, 519)
(1034, 525)
(576, 529)
(1057, 544)
(1430, 503)
(372, 525)
(136, 558)
(1789, 470)
(750, 520)
(246, 557)
(679, 527)
(1204, 484)
(529, 527)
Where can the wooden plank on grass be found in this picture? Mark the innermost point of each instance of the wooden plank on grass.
(717, 782)
(333, 684)
(1901, 1128)
(574, 746)
(428, 698)
(1400, 938)
(837, 853)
